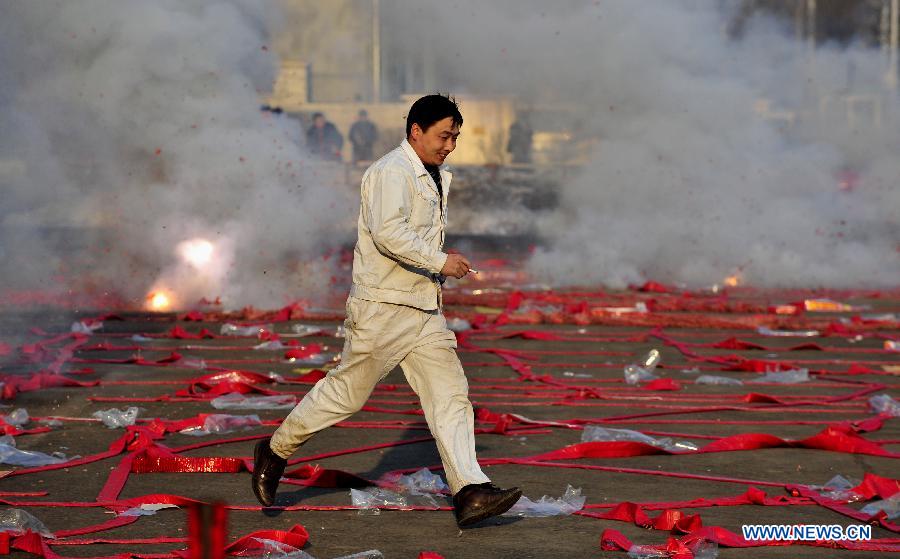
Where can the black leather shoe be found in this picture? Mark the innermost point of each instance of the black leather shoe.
(474, 503)
(268, 468)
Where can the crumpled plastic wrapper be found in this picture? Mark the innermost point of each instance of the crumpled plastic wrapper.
(303, 330)
(229, 329)
(237, 401)
(715, 379)
(700, 550)
(82, 327)
(19, 521)
(458, 324)
(882, 403)
(764, 331)
(271, 549)
(114, 418)
(420, 487)
(795, 376)
(891, 507)
(147, 509)
(220, 423)
(838, 488)
(11, 455)
(371, 499)
(571, 501)
(635, 373)
(18, 417)
(593, 433)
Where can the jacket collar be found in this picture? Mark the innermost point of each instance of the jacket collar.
(416, 162)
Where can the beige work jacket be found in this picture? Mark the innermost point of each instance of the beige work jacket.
(398, 253)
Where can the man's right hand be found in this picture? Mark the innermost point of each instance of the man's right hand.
(457, 266)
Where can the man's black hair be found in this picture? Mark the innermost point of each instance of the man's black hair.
(430, 109)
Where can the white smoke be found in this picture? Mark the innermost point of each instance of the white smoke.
(688, 183)
(140, 121)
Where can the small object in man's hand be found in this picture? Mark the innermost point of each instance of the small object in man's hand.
(474, 271)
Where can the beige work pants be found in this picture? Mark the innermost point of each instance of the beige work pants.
(381, 336)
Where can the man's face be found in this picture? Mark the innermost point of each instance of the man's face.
(435, 144)
(319, 121)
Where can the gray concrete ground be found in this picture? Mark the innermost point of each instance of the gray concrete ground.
(402, 534)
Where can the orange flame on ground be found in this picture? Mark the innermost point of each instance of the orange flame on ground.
(158, 301)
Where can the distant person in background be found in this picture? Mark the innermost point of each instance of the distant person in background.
(520, 138)
(363, 134)
(324, 139)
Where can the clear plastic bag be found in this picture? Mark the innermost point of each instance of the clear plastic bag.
(422, 482)
(705, 550)
(271, 345)
(882, 403)
(254, 331)
(571, 501)
(713, 379)
(315, 359)
(19, 417)
(114, 418)
(82, 327)
(593, 433)
(635, 373)
(370, 499)
(699, 550)
(419, 486)
(838, 488)
(198, 364)
(271, 549)
(764, 331)
(303, 330)
(19, 521)
(794, 376)
(237, 401)
(370, 554)
(219, 423)
(891, 507)
(9, 454)
(646, 552)
(458, 324)
(147, 509)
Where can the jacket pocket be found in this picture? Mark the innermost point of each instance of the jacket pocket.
(426, 206)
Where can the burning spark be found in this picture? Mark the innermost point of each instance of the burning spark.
(196, 252)
(158, 301)
(733, 280)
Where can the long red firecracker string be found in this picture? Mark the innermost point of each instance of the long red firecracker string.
(207, 531)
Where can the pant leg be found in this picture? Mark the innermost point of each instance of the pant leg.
(378, 335)
(433, 370)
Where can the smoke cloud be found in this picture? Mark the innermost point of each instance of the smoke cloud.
(140, 122)
(688, 183)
